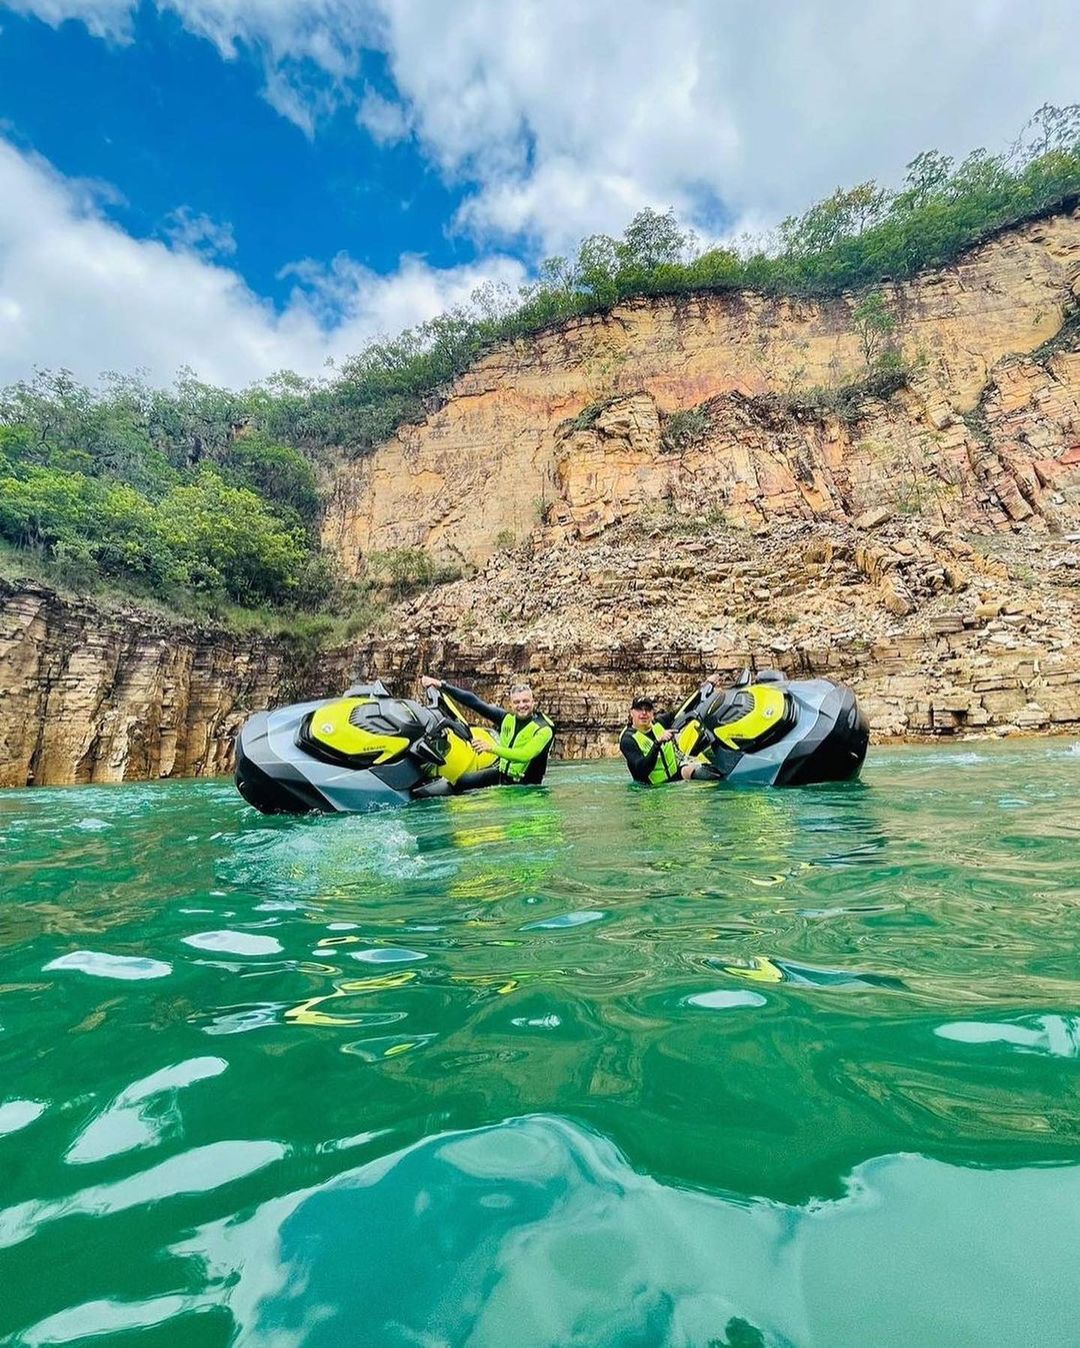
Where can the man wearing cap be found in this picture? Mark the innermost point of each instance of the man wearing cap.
(648, 745)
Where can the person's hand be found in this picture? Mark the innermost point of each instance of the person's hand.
(429, 681)
(481, 746)
(665, 736)
(686, 772)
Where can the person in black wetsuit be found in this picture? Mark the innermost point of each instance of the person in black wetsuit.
(524, 742)
(648, 745)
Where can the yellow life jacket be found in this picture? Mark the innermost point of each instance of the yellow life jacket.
(666, 768)
(510, 734)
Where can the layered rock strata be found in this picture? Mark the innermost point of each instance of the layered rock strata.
(95, 695)
(495, 458)
(647, 497)
(936, 634)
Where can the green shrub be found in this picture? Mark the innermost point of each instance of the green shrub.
(278, 473)
(845, 401)
(405, 571)
(681, 429)
(207, 537)
(230, 542)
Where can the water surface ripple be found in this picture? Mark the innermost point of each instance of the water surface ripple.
(585, 1064)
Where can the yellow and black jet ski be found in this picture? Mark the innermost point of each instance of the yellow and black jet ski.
(767, 730)
(362, 749)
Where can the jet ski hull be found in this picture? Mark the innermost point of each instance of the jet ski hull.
(825, 741)
(276, 776)
(356, 752)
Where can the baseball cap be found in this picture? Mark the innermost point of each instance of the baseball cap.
(642, 704)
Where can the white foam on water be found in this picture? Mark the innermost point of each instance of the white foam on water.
(1051, 1035)
(577, 919)
(135, 1117)
(234, 943)
(387, 955)
(16, 1114)
(109, 1316)
(721, 1000)
(198, 1171)
(99, 965)
(256, 1017)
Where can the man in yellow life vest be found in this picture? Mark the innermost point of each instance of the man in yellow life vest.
(524, 742)
(648, 745)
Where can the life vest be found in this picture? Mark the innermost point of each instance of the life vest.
(511, 735)
(667, 762)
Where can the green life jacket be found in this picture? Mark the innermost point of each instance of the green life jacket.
(667, 762)
(511, 738)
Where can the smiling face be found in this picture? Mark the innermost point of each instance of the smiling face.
(641, 718)
(522, 702)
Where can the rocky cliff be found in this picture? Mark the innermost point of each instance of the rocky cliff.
(677, 487)
(655, 495)
(518, 437)
(89, 694)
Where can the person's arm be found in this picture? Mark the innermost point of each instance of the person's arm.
(469, 700)
(640, 764)
(525, 753)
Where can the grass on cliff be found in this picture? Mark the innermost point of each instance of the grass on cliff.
(357, 608)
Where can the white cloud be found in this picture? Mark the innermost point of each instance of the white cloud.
(386, 120)
(559, 118)
(362, 305)
(310, 49)
(77, 292)
(197, 233)
(329, 33)
(569, 116)
(104, 18)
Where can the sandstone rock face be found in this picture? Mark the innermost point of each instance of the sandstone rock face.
(498, 455)
(924, 548)
(93, 696)
(937, 636)
(1010, 461)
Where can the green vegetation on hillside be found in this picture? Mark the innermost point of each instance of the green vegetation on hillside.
(855, 238)
(207, 499)
(158, 491)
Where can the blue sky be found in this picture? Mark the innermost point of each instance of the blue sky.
(172, 127)
(245, 185)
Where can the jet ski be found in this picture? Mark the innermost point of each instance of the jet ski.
(362, 749)
(767, 730)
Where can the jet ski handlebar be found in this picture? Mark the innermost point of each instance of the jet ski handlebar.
(447, 722)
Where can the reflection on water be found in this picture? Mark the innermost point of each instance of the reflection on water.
(575, 1065)
(141, 1113)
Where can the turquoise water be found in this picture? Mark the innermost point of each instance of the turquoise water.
(586, 1064)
